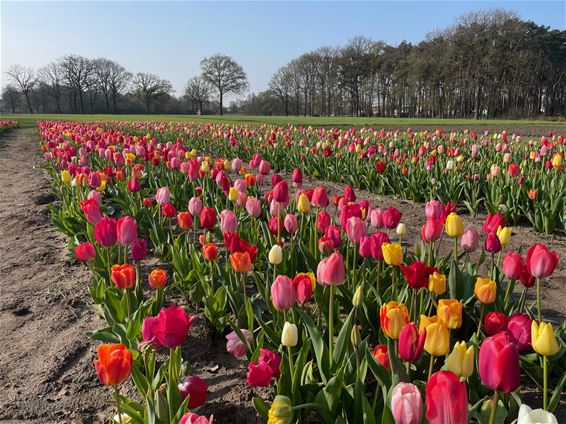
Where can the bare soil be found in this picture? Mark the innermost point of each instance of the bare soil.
(46, 371)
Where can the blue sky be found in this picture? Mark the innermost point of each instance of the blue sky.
(170, 38)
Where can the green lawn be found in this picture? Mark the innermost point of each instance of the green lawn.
(27, 120)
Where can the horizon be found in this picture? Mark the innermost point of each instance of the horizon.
(260, 47)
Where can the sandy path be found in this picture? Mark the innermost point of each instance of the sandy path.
(46, 373)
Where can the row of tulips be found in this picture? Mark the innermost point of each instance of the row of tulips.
(522, 179)
(318, 294)
(6, 125)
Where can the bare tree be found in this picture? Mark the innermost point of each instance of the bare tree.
(150, 88)
(111, 79)
(78, 72)
(197, 91)
(10, 97)
(281, 85)
(51, 77)
(225, 74)
(25, 79)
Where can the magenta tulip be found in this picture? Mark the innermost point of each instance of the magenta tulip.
(540, 261)
(446, 399)
(105, 232)
(411, 343)
(499, 363)
(127, 230)
(331, 271)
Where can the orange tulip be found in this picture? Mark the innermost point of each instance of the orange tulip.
(209, 251)
(158, 278)
(124, 276)
(114, 363)
(393, 317)
(450, 312)
(485, 290)
(241, 261)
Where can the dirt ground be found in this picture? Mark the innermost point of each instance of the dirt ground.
(46, 371)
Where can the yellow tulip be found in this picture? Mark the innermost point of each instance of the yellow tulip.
(280, 411)
(450, 312)
(102, 185)
(66, 176)
(504, 235)
(461, 360)
(426, 321)
(304, 204)
(392, 253)
(485, 290)
(226, 164)
(204, 167)
(393, 316)
(437, 283)
(454, 225)
(437, 340)
(233, 194)
(543, 339)
(557, 161)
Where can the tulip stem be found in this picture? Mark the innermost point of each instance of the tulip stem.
(331, 324)
(456, 249)
(430, 366)
(128, 302)
(291, 368)
(510, 288)
(481, 319)
(117, 398)
(545, 382)
(538, 300)
(494, 407)
(109, 266)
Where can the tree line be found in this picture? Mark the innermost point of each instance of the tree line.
(488, 64)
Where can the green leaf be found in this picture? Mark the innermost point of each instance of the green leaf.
(317, 343)
(260, 406)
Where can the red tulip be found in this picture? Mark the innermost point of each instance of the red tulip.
(391, 218)
(168, 210)
(320, 197)
(416, 274)
(207, 217)
(492, 223)
(411, 343)
(519, 326)
(380, 354)
(512, 266)
(283, 293)
(297, 177)
(114, 363)
(281, 192)
(105, 232)
(139, 250)
(127, 230)
(325, 246)
(330, 270)
(334, 234)
(196, 388)
(85, 251)
(323, 220)
(495, 322)
(168, 329)
(499, 363)
(91, 210)
(303, 286)
(526, 278)
(134, 185)
(365, 246)
(492, 243)
(184, 220)
(266, 369)
(349, 194)
(540, 261)
(446, 399)
(378, 238)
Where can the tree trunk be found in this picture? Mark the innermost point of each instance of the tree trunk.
(221, 96)
(28, 102)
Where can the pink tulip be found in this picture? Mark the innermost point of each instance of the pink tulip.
(139, 250)
(91, 210)
(96, 196)
(282, 293)
(169, 328)
(236, 164)
(376, 218)
(411, 343)
(433, 209)
(228, 222)
(105, 232)
(163, 196)
(540, 261)
(297, 177)
(355, 229)
(469, 240)
(253, 206)
(196, 388)
(94, 179)
(85, 252)
(319, 197)
(323, 220)
(446, 399)
(192, 418)
(235, 345)
(512, 266)
(378, 238)
(519, 326)
(432, 229)
(127, 230)
(334, 234)
(195, 206)
(406, 404)
(330, 271)
(365, 246)
(290, 223)
(391, 217)
(264, 167)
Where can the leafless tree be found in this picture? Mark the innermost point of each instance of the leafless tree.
(224, 74)
(78, 75)
(197, 91)
(10, 97)
(149, 88)
(111, 79)
(52, 77)
(26, 80)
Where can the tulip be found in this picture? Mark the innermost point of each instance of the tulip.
(192, 418)
(134, 185)
(536, 416)
(495, 322)
(290, 335)
(355, 229)
(431, 230)
(66, 176)
(184, 220)
(266, 369)
(469, 240)
(485, 290)
(376, 218)
(233, 194)
(235, 345)
(207, 217)
(406, 404)
(493, 222)
(391, 217)
(241, 261)
(349, 194)
(91, 210)
(450, 312)
(454, 226)
(304, 204)
(168, 329)
(281, 192)
(433, 209)
(393, 316)
(195, 206)
(512, 266)
(323, 220)
(504, 235)
(461, 360)
(416, 274)
(85, 252)
(325, 246)
(437, 283)
(411, 342)
(492, 243)
(320, 197)
(228, 221)
(105, 232)
(114, 363)
(127, 230)
(437, 342)
(280, 411)
(401, 230)
(196, 388)
(138, 250)
(94, 180)
(290, 223)
(124, 276)
(541, 263)
(331, 271)
(446, 399)
(168, 210)
(380, 354)
(283, 293)
(519, 327)
(543, 339)
(297, 177)
(499, 363)
(162, 196)
(157, 278)
(392, 253)
(275, 255)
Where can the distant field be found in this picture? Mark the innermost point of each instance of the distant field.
(27, 120)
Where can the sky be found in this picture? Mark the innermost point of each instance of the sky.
(171, 38)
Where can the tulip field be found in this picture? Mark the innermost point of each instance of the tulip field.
(341, 306)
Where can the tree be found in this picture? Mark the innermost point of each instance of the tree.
(224, 74)
(112, 79)
(51, 77)
(197, 91)
(78, 74)
(10, 97)
(25, 79)
(281, 85)
(149, 88)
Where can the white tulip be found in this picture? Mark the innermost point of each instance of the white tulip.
(537, 416)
